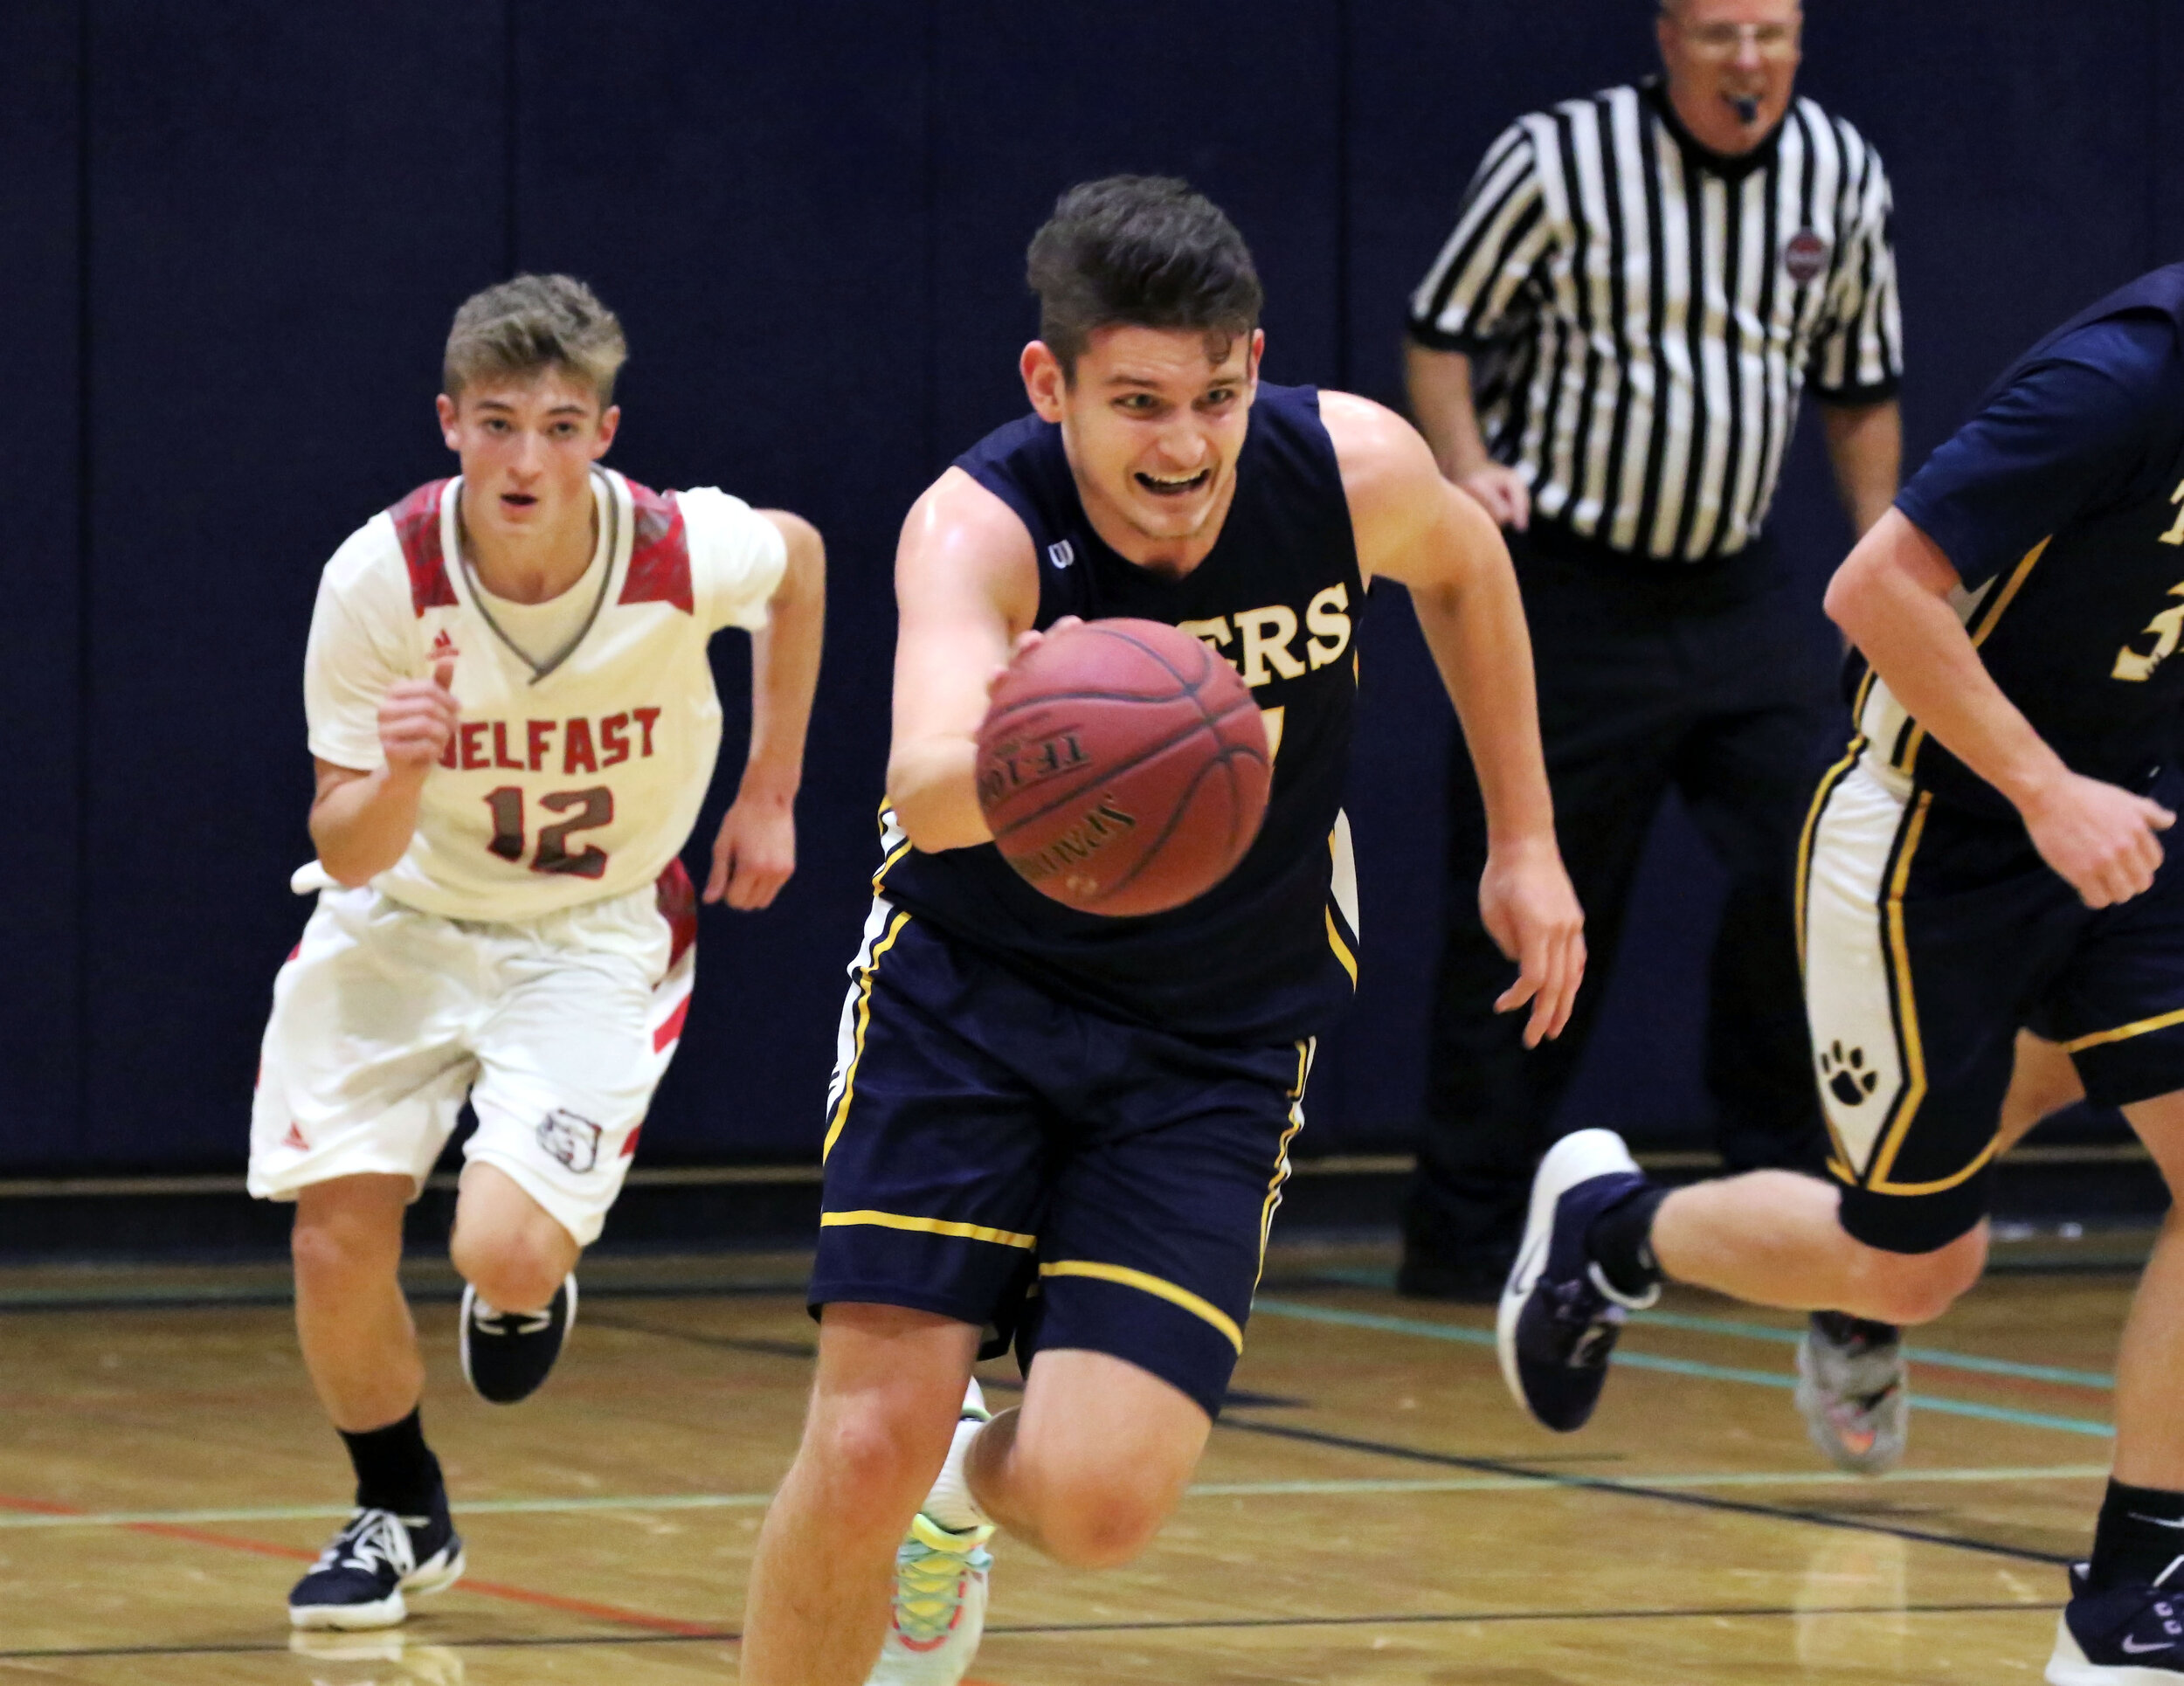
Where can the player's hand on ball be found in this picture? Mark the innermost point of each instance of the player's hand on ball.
(1025, 643)
(754, 852)
(2103, 839)
(1532, 914)
(417, 717)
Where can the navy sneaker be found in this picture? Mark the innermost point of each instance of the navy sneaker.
(507, 1354)
(1559, 1314)
(359, 1579)
(2130, 1636)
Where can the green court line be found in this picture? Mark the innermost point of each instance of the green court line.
(1467, 1337)
(1939, 1357)
(651, 1502)
(338, 1512)
(1694, 1481)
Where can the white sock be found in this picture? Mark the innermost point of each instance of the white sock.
(951, 1503)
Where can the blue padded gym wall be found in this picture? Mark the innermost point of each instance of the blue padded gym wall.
(237, 229)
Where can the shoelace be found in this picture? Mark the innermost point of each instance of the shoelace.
(1590, 1318)
(497, 1323)
(376, 1540)
(928, 1591)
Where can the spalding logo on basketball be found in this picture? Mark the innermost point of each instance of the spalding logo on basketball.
(1123, 767)
(1805, 256)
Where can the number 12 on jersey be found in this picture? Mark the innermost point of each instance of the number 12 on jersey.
(593, 808)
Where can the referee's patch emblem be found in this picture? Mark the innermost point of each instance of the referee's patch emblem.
(1805, 256)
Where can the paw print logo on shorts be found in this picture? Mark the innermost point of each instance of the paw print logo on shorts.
(1846, 1076)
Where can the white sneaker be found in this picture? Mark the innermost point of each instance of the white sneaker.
(940, 1582)
(1853, 1392)
(940, 1593)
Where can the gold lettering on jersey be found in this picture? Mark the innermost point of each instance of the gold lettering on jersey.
(1213, 633)
(2175, 535)
(2165, 628)
(1272, 720)
(1266, 638)
(1329, 624)
(1266, 634)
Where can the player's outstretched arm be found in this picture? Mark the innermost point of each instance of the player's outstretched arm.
(1416, 528)
(362, 821)
(1891, 597)
(966, 588)
(754, 854)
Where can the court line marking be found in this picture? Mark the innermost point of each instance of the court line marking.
(216, 1296)
(1631, 1487)
(1938, 1358)
(1437, 1617)
(1464, 1335)
(301, 1554)
(647, 1503)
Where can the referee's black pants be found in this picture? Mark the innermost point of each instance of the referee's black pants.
(1650, 675)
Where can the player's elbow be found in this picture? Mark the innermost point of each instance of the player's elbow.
(349, 861)
(803, 574)
(1852, 594)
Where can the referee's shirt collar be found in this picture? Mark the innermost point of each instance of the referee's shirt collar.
(1732, 165)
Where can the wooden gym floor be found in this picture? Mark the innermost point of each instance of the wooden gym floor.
(1372, 1509)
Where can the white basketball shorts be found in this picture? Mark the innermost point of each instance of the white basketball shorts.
(556, 1029)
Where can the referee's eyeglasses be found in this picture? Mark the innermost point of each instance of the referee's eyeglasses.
(1770, 41)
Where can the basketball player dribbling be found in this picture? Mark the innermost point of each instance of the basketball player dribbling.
(515, 725)
(1070, 1132)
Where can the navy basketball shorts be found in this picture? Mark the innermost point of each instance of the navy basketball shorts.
(1930, 935)
(1052, 1175)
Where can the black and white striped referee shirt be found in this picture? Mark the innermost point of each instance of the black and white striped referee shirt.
(1645, 313)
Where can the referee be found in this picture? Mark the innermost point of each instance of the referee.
(1609, 354)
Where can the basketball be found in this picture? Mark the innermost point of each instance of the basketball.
(1123, 767)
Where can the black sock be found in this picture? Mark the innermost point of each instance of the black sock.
(1859, 1333)
(395, 1469)
(2140, 1537)
(1620, 1241)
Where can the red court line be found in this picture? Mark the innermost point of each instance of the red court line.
(297, 1553)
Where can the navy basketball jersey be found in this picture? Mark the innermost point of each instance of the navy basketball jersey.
(2061, 506)
(1267, 955)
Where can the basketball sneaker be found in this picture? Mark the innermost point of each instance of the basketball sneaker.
(1559, 1314)
(1852, 1392)
(359, 1579)
(507, 1354)
(940, 1576)
(2129, 1635)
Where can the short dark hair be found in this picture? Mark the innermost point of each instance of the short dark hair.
(528, 325)
(1141, 252)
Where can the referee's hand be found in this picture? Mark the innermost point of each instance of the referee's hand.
(2105, 841)
(1502, 491)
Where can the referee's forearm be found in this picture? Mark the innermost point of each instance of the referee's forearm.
(1865, 445)
(1440, 387)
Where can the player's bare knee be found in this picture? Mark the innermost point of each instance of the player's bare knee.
(1917, 1288)
(343, 1232)
(1089, 1525)
(880, 1457)
(513, 1271)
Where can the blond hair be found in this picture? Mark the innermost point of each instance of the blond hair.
(524, 326)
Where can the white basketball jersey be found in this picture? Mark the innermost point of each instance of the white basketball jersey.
(563, 786)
